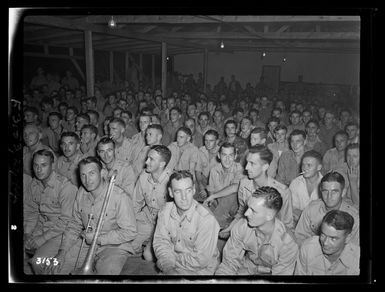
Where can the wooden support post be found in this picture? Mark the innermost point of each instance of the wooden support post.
(153, 71)
(126, 66)
(89, 62)
(141, 67)
(111, 67)
(164, 69)
(76, 64)
(205, 63)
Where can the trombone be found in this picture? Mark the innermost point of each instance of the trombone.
(86, 269)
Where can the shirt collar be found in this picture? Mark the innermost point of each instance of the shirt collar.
(188, 214)
(164, 175)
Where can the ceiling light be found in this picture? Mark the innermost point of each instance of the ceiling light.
(112, 22)
(222, 45)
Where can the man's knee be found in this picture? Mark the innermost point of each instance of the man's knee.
(110, 266)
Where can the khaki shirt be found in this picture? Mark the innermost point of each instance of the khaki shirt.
(331, 161)
(311, 218)
(312, 261)
(299, 193)
(288, 168)
(90, 149)
(205, 164)
(150, 196)
(137, 145)
(183, 158)
(125, 177)
(247, 187)
(189, 240)
(69, 167)
(47, 210)
(52, 137)
(119, 227)
(123, 152)
(247, 252)
(220, 178)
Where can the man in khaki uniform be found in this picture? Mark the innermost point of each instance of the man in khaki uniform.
(330, 253)
(123, 146)
(67, 164)
(332, 189)
(125, 177)
(258, 161)
(150, 195)
(114, 244)
(48, 203)
(184, 154)
(186, 233)
(260, 243)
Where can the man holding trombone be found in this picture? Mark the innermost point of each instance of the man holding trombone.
(107, 240)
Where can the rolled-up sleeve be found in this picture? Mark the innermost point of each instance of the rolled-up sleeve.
(242, 197)
(300, 265)
(287, 257)
(303, 230)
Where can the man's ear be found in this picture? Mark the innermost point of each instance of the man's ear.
(319, 167)
(263, 141)
(348, 238)
(170, 192)
(265, 166)
(78, 147)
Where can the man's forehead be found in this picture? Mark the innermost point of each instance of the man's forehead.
(183, 183)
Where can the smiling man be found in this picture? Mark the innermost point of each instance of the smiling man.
(125, 177)
(67, 164)
(186, 233)
(114, 243)
(332, 252)
(48, 204)
(260, 243)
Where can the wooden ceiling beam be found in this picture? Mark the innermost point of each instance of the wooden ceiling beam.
(214, 18)
(267, 35)
(104, 29)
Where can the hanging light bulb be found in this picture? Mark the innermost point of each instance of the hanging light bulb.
(222, 45)
(112, 22)
(284, 59)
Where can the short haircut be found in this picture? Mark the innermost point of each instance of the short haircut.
(84, 116)
(92, 99)
(156, 127)
(247, 118)
(341, 133)
(185, 130)
(205, 113)
(261, 131)
(264, 153)
(92, 128)
(230, 122)
(280, 127)
(314, 121)
(180, 174)
(70, 134)
(31, 109)
(339, 220)
(163, 151)
(333, 176)
(63, 103)
(118, 121)
(295, 112)
(273, 119)
(91, 159)
(212, 132)
(352, 146)
(312, 153)
(254, 110)
(44, 152)
(351, 124)
(175, 108)
(272, 198)
(227, 145)
(297, 132)
(127, 113)
(105, 140)
(57, 114)
(33, 125)
(74, 109)
(276, 109)
(144, 113)
(93, 112)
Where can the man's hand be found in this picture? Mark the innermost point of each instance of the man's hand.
(353, 174)
(165, 265)
(56, 264)
(33, 243)
(89, 236)
(224, 234)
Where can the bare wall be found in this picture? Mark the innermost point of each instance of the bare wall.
(247, 66)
